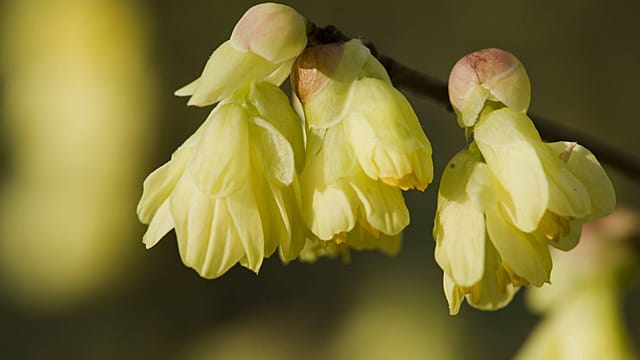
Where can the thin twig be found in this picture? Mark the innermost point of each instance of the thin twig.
(435, 89)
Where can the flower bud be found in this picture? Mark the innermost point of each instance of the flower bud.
(487, 75)
(263, 45)
(274, 31)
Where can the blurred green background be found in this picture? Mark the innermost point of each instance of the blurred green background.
(88, 111)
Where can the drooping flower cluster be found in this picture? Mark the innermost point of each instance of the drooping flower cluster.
(509, 195)
(364, 144)
(246, 184)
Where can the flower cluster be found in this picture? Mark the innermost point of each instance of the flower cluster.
(508, 195)
(257, 176)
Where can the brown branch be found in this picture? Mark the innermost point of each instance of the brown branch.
(435, 89)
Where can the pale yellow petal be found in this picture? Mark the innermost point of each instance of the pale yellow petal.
(383, 205)
(526, 256)
(453, 294)
(207, 240)
(385, 134)
(373, 68)
(245, 217)
(221, 157)
(188, 89)
(494, 291)
(271, 153)
(329, 204)
(160, 183)
(508, 141)
(476, 98)
(459, 228)
(567, 195)
(227, 70)
(273, 106)
(280, 74)
(586, 168)
(288, 203)
(160, 225)
(330, 210)
(482, 187)
(460, 237)
(328, 156)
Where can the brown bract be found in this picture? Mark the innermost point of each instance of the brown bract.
(313, 68)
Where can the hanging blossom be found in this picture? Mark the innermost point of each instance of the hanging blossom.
(364, 144)
(231, 190)
(509, 195)
(263, 45)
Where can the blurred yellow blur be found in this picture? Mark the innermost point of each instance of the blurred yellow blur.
(583, 306)
(76, 109)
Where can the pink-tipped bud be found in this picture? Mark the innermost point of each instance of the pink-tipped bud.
(488, 74)
(276, 32)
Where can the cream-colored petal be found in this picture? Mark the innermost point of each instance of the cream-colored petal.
(246, 218)
(273, 106)
(385, 134)
(467, 116)
(188, 89)
(460, 235)
(160, 183)
(373, 68)
(459, 228)
(160, 225)
(453, 294)
(329, 210)
(329, 205)
(494, 291)
(221, 160)
(567, 195)
(288, 205)
(508, 141)
(586, 168)
(383, 205)
(227, 70)
(526, 256)
(271, 153)
(281, 73)
(329, 106)
(207, 240)
(482, 187)
(328, 155)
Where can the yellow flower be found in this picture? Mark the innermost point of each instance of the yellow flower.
(548, 184)
(364, 143)
(520, 193)
(263, 45)
(231, 190)
(343, 85)
(483, 256)
(337, 195)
